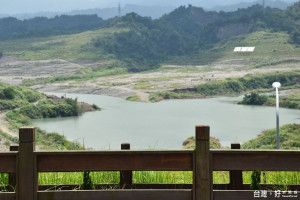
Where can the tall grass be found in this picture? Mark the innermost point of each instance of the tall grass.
(171, 177)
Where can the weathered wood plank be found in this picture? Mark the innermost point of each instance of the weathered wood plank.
(106, 161)
(117, 186)
(165, 186)
(12, 176)
(7, 195)
(256, 160)
(8, 162)
(111, 152)
(27, 173)
(125, 175)
(245, 195)
(236, 177)
(117, 195)
(202, 178)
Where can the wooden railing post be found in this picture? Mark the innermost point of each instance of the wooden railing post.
(27, 176)
(12, 176)
(125, 175)
(236, 176)
(202, 169)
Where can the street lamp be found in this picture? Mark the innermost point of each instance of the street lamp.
(277, 85)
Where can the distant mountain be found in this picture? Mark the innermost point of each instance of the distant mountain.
(268, 3)
(105, 13)
(12, 28)
(146, 11)
(64, 6)
(157, 11)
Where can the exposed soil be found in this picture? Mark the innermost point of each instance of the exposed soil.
(13, 71)
(141, 84)
(4, 128)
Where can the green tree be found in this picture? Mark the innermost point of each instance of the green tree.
(254, 99)
(9, 93)
(295, 36)
(87, 181)
(255, 180)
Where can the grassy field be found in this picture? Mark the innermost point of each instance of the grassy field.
(267, 46)
(69, 47)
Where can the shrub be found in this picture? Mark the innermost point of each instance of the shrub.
(31, 96)
(255, 180)
(254, 99)
(9, 93)
(87, 181)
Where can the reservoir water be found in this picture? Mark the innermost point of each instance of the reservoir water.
(166, 124)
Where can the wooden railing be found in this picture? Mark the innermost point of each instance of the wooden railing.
(24, 165)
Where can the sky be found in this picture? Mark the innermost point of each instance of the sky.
(34, 6)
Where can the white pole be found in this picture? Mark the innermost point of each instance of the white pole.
(277, 120)
(277, 85)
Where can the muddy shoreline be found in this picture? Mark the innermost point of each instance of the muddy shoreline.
(107, 91)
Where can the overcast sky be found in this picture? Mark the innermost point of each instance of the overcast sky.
(33, 6)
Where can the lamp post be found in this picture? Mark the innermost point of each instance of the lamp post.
(277, 85)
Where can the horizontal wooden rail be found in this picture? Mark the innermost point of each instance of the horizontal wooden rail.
(115, 160)
(8, 162)
(291, 187)
(117, 195)
(247, 160)
(117, 186)
(7, 195)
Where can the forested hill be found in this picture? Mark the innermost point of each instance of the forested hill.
(12, 28)
(142, 43)
(188, 30)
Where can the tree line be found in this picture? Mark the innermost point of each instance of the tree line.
(12, 28)
(187, 30)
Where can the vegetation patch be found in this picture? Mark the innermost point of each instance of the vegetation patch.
(133, 98)
(231, 86)
(145, 86)
(276, 62)
(289, 139)
(163, 95)
(190, 143)
(288, 101)
(26, 104)
(12, 97)
(9, 137)
(75, 77)
(254, 99)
